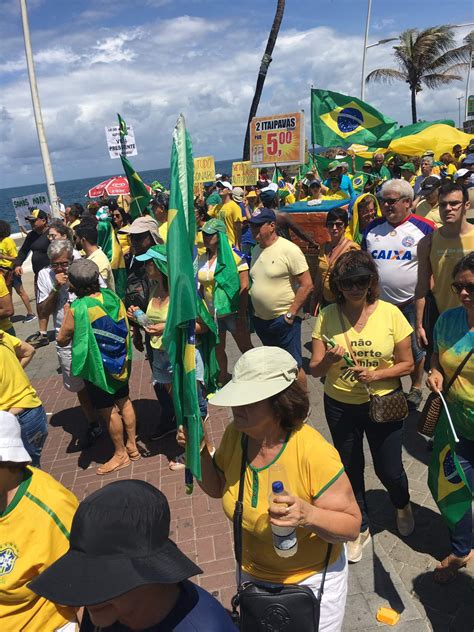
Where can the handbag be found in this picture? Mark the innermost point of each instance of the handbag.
(258, 608)
(387, 408)
(431, 412)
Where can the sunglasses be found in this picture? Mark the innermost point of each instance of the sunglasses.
(336, 224)
(361, 283)
(457, 288)
(391, 201)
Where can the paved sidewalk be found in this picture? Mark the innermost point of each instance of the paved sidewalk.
(393, 571)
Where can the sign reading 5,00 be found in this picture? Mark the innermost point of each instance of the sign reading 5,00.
(277, 139)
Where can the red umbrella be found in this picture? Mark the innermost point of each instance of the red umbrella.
(117, 185)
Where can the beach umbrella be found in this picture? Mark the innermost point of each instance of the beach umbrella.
(117, 185)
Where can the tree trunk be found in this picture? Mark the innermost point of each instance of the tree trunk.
(413, 104)
(262, 73)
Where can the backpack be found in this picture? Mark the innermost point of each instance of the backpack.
(138, 287)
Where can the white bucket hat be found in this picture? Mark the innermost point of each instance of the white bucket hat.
(259, 374)
(11, 445)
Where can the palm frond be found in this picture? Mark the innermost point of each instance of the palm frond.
(385, 75)
(452, 56)
(437, 80)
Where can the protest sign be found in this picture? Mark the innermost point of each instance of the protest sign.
(277, 139)
(243, 174)
(22, 206)
(204, 169)
(114, 143)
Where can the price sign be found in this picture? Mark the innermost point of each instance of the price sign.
(243, 174)
(277, 139)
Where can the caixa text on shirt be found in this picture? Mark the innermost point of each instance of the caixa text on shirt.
(398, 255)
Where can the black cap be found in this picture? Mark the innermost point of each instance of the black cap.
(429, 184)
(37, 214)
(262, 216)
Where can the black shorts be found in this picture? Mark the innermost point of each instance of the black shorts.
(102, 399)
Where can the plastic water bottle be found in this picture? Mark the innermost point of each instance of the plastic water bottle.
(285, 542)
(141, 318)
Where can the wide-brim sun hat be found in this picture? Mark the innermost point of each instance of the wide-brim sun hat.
(12, 449)
(258, 374)
(119, 541)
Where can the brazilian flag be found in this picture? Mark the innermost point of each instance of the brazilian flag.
(338, 120)
(138, 191)
(446, 478)
(123, 130)
(179, 337)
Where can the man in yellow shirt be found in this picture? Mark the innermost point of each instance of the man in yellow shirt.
(228, 212)
(428, 206)
(86, 239)
(35, 519)
(8, 254)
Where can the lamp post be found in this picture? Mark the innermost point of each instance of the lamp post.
(459, 109)
(468, 78)
(366, 46)
(48, 170)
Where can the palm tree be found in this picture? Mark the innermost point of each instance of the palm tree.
(424, 58)
(262, 73)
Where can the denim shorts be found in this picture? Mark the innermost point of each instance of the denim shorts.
(276, 332)
(408, 311)
(162, 369)
(34, 430)
(227, 323)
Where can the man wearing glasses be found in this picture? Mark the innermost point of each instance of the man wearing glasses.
(392, 240)
(438, 254)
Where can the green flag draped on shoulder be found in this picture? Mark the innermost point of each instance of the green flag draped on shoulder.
(446, 478)
(339, 120)
(179, 334)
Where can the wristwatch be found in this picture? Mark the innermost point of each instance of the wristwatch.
(290, 316)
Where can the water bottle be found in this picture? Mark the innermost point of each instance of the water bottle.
(141, 318)
(285, 542)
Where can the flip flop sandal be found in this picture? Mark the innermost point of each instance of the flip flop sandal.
(134, 455)
(112, 466)
(448, 569)
(178, 463)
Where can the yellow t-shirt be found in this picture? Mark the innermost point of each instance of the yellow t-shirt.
(163, 231)
(444, 254)
(424, 209)
(373, 347)
(100, 259)
(310, 466)
(273, 271)
(124, 241)
(206, 277)
(16, 391)
(157, 315)
(7, 247)
(5, 323)
(335, 195)
(34, 533)
(230, 213)
(201, 248)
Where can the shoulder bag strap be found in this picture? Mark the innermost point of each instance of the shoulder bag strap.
(238, 511)
(349, 346)
(326, 564)
(457, 372)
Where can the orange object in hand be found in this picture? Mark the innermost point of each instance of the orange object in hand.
(388, 616)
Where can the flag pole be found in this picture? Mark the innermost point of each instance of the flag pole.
(48, 170)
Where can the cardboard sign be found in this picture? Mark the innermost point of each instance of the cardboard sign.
(277, 139)
(24, 205)
(204, 169)
(114, 144)
(243, 174)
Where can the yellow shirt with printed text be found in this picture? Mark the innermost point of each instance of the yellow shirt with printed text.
(34, 533)
(307, 465)
(373, 348)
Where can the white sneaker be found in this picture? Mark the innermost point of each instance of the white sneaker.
(405, 521)
(354, 549)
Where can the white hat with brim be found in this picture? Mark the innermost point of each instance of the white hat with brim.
(12, 449)
(259, 374)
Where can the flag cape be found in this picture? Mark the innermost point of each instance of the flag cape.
(108, 241)
(446, 478)
(179, 334)
(339, 120)
(92, 315)
(226, 279)
(352, 231)
(140, 198)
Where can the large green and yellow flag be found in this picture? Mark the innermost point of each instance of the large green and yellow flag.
(179, 336)
(338, 120)
(446, 478)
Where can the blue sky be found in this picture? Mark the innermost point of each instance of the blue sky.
(152, 59)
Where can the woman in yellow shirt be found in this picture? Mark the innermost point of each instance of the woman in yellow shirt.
(375, 336)
(270, 410)
(120, 219)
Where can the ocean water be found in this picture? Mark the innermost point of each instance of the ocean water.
(76, 190)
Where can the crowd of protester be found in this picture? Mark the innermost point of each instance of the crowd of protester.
(393, 296)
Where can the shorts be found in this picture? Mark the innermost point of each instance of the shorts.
(277, 333)
(227, 323)
(408, 310)
(162, 370)
(102, 399)
(71, 383)
(16, 281)
(34, 430)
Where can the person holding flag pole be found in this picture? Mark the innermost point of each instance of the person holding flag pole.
(451, 469)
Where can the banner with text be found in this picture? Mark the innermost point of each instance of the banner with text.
(24, 205)
(114, 143)
(243, 174)
(277, 139)
(204, 171)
